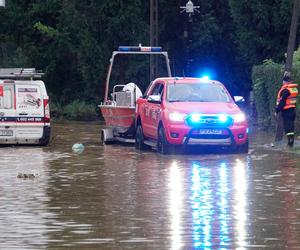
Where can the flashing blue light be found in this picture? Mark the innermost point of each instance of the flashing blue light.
(139, 49)
(247, 130)
(123, 48)
(205, 78)
(156, 49)
(223, 118)
(195, 118)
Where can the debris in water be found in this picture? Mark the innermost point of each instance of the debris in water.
(26, 176)
(78, 148)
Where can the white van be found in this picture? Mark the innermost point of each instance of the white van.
(24, 108)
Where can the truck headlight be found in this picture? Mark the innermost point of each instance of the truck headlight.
(239, 117)
(177, 117)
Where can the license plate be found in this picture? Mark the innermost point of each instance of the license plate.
(209, 131)
(6, 133)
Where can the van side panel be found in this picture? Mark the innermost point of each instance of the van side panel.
(7, 113)
(30, 112)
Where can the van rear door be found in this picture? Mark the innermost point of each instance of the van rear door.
(7, 113)
(30, 112)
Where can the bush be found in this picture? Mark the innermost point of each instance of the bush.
(266, 79)
(76, 110)
(266, 82)
(56, 110)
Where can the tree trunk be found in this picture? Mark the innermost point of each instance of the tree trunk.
(292, 36)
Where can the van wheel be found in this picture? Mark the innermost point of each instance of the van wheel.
(45, 141)
(163, 146)
(139, 138)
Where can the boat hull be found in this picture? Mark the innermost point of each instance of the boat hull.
(122, 119)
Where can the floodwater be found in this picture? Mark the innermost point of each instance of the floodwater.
(113, 197)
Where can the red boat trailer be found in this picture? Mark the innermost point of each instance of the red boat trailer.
(119, 110)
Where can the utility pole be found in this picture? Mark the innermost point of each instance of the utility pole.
(153, 37)
(189, 9)
(292, 36)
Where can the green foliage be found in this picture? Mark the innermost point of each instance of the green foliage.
(262, 28)
(267, 80)
(76, 110)
(46, 30)
(72, 41)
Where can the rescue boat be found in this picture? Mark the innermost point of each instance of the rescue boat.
(118, 108)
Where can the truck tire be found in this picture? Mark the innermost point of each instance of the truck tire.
(139, 138)
(243, 149)
(163, 146)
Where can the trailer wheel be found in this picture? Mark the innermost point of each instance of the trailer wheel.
(139, 138)
(163, 146)
(105, 137)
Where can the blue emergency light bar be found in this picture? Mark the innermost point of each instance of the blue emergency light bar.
(139, 49)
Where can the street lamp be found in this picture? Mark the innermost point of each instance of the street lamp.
(2, 3)
(189, 9)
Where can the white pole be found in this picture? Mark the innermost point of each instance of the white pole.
(2, 3)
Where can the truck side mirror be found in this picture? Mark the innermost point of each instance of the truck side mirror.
(154, 98)
(239, 99)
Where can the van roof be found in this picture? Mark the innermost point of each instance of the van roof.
(20, 73)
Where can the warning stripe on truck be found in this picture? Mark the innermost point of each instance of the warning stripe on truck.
(22, 119)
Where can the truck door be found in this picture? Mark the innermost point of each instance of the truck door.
(30, 112)
(7, 113)
(152, 111)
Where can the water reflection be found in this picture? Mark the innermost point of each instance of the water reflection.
(176, 200)
(240, 186)
(23, 201)
(223, 205)
(114, 197)
(211, 189)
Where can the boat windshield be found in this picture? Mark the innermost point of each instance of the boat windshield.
(197, 92)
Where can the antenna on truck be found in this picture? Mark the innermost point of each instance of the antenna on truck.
(20, 73)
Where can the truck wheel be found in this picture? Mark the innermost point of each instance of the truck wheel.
(139, 138)
(163, 146)
(243, 149)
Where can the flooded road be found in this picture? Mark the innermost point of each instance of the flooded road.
(113, 197)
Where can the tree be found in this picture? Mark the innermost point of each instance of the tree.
(292, 36)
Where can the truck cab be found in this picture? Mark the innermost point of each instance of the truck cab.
(24, 108)
(189, 111)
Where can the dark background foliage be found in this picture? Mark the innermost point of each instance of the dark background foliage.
(72, 41)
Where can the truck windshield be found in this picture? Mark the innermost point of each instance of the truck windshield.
(197, 92)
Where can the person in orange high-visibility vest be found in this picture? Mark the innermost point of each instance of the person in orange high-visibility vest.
(286, 104)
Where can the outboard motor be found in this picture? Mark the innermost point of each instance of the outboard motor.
(135, 92)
